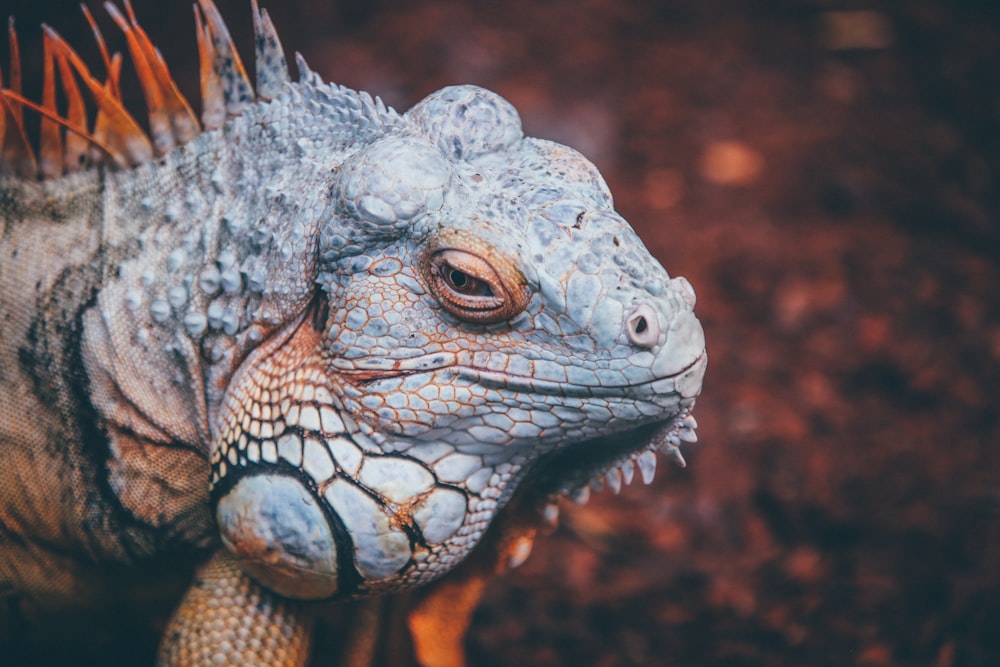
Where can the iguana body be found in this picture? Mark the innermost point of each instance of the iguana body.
(326, 341)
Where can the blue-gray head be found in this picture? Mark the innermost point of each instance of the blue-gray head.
(379, 326)
(483, 319)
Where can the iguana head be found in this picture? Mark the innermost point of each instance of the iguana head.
(483, 318)
(399, 320)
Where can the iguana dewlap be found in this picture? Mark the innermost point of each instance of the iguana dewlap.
(328, 341)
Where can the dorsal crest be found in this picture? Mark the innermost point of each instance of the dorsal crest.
(69, 141)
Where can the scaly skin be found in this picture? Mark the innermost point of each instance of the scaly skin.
(328, 342)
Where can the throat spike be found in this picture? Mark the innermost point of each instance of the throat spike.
(675, 455)
(647, 466)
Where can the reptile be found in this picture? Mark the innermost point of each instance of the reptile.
(303, 352)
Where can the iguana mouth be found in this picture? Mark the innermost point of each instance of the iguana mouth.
(525, 384)
(612, 460)
(594, 461)
(520, 383)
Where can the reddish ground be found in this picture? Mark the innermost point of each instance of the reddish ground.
(829, 184)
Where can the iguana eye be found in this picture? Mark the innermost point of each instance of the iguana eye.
(471, 288)
(465, 284)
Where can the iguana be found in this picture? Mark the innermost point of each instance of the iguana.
(313, 346)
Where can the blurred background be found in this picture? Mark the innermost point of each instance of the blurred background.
(826, 175)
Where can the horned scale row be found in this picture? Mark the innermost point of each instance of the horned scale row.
(372, 447)
(115, 135)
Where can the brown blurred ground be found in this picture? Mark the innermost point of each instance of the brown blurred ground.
(829, 184)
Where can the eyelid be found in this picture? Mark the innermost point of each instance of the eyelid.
(476, 269)
(509, 296)
(470, 283)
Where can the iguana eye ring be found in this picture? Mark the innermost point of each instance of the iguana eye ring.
(472, 288)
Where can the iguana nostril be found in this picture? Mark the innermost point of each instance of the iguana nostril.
(642, 327)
